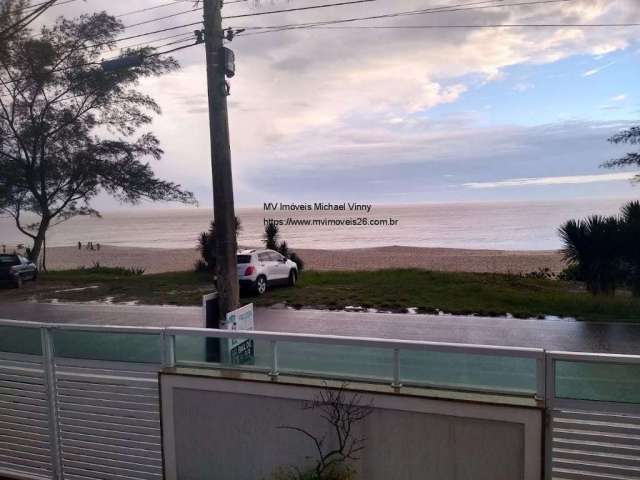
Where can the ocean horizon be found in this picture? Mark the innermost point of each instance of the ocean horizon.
(519, 225)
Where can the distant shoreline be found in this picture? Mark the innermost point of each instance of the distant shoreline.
(159, 260)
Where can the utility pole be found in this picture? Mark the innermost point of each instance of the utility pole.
(223, 206)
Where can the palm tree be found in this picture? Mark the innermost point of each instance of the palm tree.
(592, 246)
(630, 243)
(271, 236)
(207, 248)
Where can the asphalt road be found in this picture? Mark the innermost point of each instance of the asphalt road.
(562, 335)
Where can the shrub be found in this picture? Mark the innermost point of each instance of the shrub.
(541, 274)
(294, 257)
(593, 246)
(207, 248)
(271, 236)
(571, 274)
(116, 271)
(630, 243)
(283, 249)
(342, 411)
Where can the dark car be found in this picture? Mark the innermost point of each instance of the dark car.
(14, 269)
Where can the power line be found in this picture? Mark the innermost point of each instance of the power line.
(497, 25)
(188, 34)
(142, 10)
(26, 20)
(168, 29)
(36, 5)
(427, 11)
(158, 19)
(296, 9)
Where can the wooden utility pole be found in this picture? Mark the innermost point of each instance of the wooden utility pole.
(223, 206)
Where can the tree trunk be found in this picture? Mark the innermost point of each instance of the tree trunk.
(39, 241)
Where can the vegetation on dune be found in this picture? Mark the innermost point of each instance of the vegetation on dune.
(271, 239)
(386, 290)
(604, 252)
(207, 248)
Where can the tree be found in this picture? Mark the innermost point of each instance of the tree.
(17, 15)
(207, 248)
(69, 130)
(334, 451)
(632, 137)
(592, 245)
(630, 230)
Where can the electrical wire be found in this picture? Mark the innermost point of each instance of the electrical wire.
(142, 10)
(36, 5)
(188, 34)
(158, 19)
(253, 14)
(426, 11)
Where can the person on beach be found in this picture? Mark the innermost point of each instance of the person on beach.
(98, 246)
(79, 245)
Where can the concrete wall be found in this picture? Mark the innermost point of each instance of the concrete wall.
(228, 429)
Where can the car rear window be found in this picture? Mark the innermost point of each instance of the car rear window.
(244, 259)
(9, 260)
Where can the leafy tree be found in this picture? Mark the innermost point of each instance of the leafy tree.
(271, 236)
(69, 130)
(630, 233)
(16, 16)
(592, 245)
(630, 136)
(207, 248)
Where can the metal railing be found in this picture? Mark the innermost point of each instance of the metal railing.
(123, 363)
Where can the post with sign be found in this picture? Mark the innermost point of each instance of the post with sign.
(239, 351)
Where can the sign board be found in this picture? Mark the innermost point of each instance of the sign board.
(240, 350)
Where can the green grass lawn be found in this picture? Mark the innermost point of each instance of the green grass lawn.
(389, 290)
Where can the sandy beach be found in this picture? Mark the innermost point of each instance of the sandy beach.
(439, 259)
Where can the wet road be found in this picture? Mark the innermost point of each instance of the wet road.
(549, 334)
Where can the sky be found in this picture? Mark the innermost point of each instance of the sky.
(401, 115)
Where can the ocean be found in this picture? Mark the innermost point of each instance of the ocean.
(504, 226)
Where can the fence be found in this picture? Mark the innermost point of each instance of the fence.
(81, 402)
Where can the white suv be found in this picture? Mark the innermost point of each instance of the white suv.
(259, 268)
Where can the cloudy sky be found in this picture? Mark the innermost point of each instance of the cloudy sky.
(405, 115)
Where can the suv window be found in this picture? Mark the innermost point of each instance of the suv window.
(276, 257)
(264, 257)
(242, 259)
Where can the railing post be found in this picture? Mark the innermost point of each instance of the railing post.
(168, 349)
(49, 367)
(396, 369)
(274, 360)
(541, 378)
(550, 393)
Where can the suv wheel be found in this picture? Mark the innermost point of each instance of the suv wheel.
(261, 285)
(293, 278)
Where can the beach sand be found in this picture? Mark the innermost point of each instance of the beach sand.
(154, 260)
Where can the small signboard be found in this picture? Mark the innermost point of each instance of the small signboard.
(240, 350)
